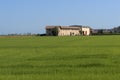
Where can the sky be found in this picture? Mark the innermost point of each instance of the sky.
(31, 16)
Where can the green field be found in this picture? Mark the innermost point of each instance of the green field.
(60, 58)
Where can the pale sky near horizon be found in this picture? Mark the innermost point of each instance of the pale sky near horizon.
(22, 16)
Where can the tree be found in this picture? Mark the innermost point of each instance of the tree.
(100, 31)
(55, 31)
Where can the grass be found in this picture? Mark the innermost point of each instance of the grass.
(60, 58)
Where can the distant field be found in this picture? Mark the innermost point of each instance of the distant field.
(60, 58)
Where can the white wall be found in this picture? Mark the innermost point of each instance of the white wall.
(68, 32)
(86, 30)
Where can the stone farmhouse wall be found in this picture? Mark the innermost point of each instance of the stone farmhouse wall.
(69, 31)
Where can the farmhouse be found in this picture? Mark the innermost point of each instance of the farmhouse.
(74, 30)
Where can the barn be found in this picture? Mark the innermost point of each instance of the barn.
(67, 30)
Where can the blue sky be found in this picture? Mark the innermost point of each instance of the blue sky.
(22, 16)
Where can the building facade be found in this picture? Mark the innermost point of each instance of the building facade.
(86, 30)
(67, 30)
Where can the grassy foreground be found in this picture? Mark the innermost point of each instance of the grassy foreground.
(60, 58)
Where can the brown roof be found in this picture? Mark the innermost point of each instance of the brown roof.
(86, 27)
(67, 27)
(62, 27)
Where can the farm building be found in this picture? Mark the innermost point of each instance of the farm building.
(67, 30)
(101, 31)
(116, 29)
